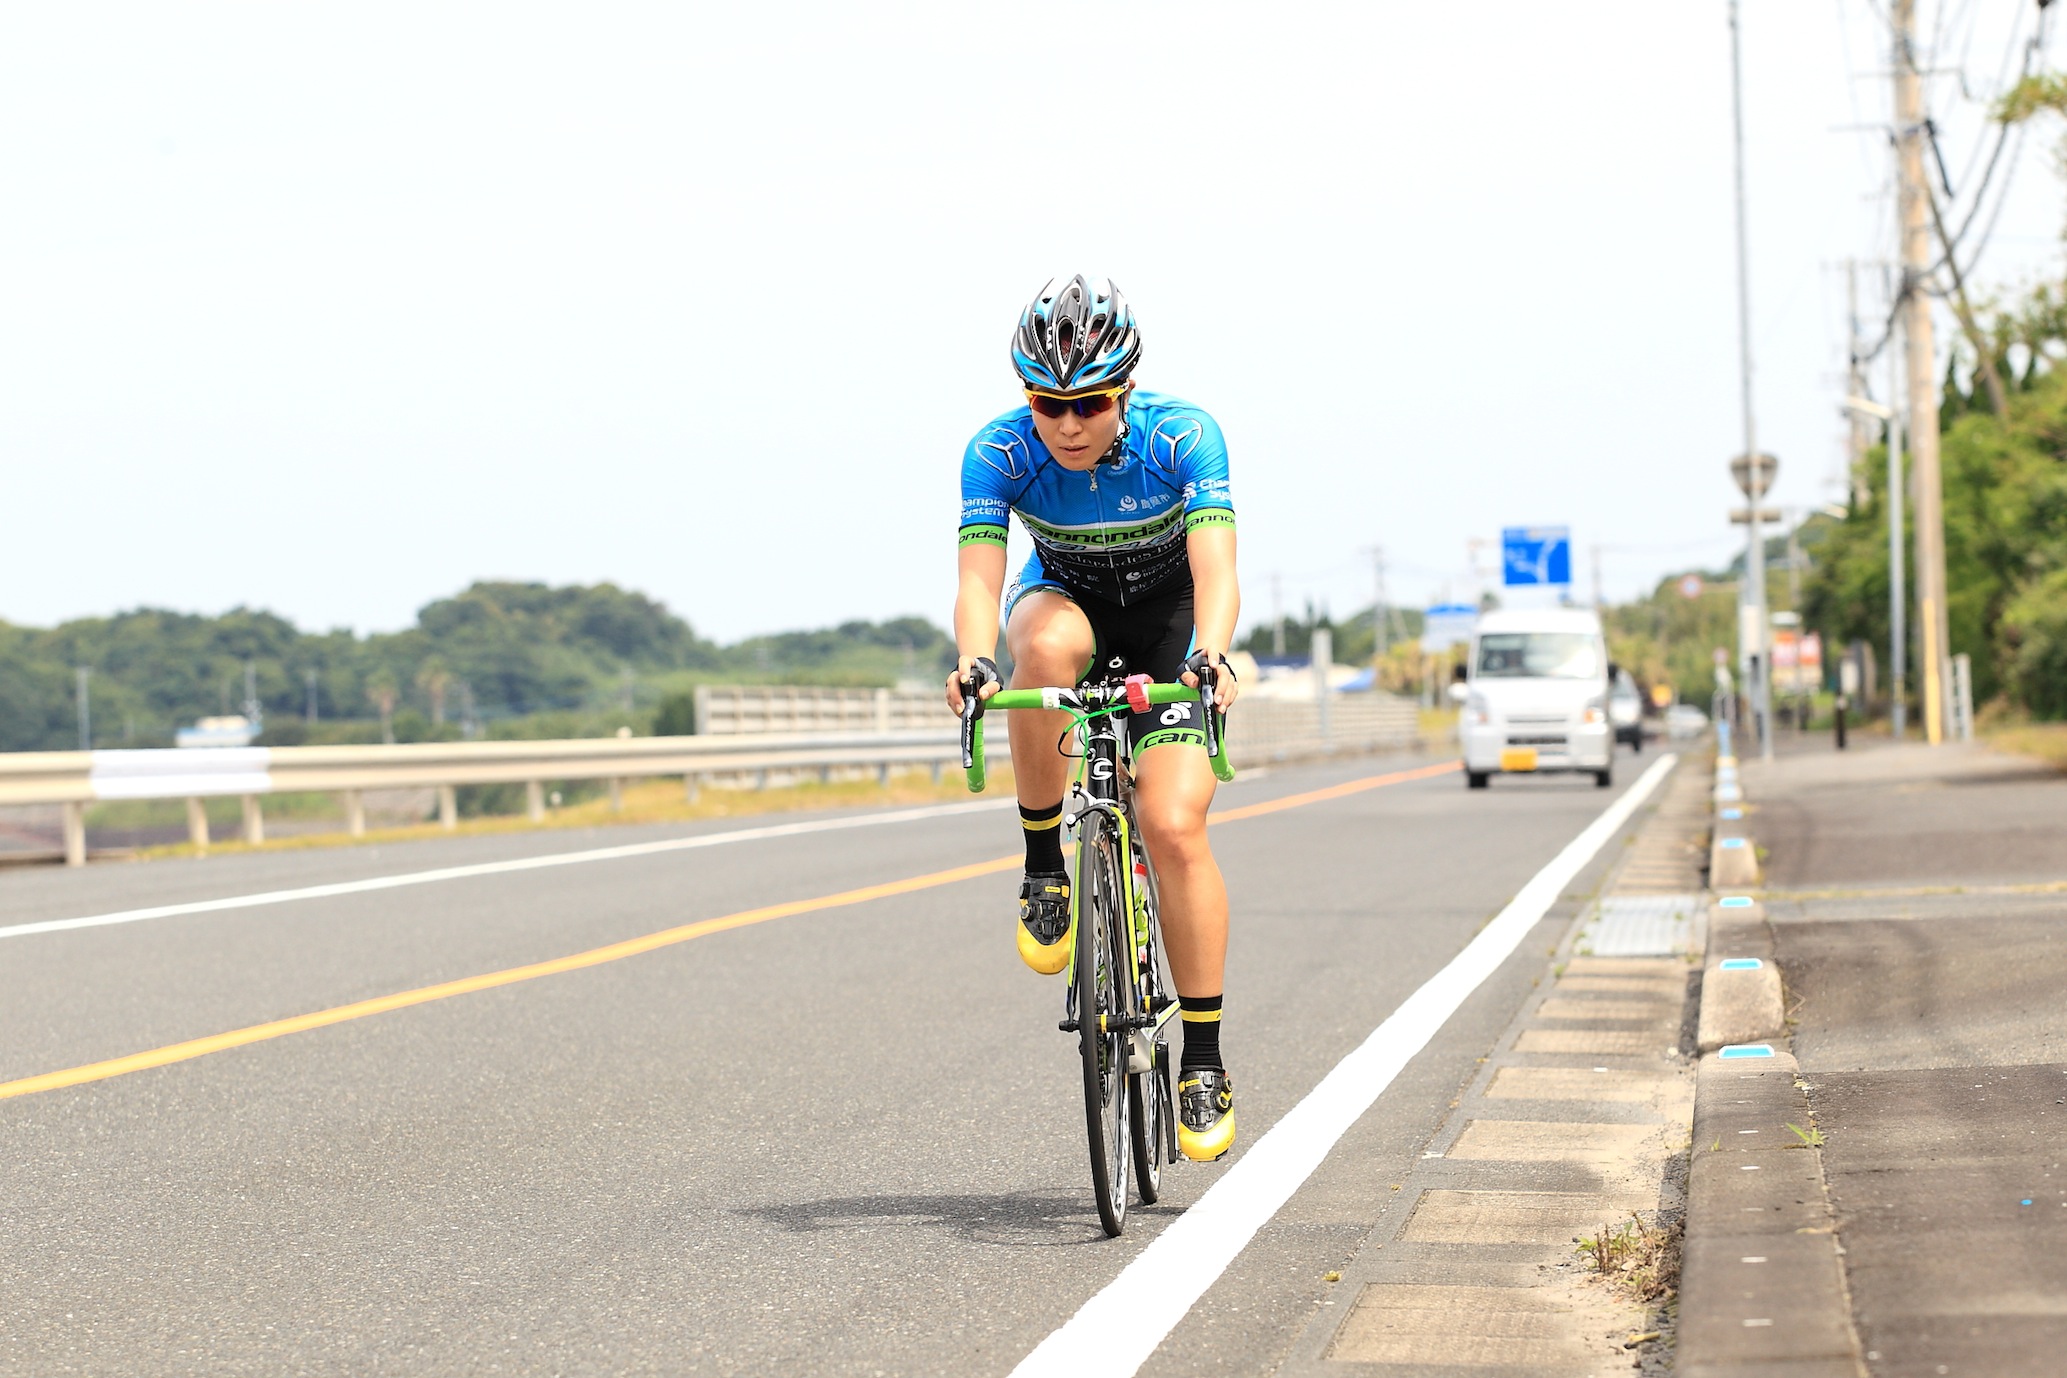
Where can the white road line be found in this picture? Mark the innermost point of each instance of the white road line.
(495, 868)
(1114, 1332)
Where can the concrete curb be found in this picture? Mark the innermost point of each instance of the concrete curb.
(1762, 1285)
(1762, 1288)
(1740, 986)
(1732, 863)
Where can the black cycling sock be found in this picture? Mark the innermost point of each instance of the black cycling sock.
(1201, 1016)
(1043, 828)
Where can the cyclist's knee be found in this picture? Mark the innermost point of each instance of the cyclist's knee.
(1174, 829)
(1051, 644)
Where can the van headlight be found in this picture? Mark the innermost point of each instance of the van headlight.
(1596, 710)
(1476, 711)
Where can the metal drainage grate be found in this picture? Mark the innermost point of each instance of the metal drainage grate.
(1646, 926)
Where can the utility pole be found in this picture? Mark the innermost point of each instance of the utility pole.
(1751, 621)
(1277, 615)
(308, 677)
(1922, 371)
(81, 674)
(1898, 577)
(1794, 520)
(1600, 604)
(1381, 614)
(1855, 380)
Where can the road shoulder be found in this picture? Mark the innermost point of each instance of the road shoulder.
(1565, 1151)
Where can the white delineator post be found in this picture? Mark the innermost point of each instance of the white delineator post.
(75, 834)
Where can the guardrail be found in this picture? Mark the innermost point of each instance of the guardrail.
(74, 779)
(1263, 730)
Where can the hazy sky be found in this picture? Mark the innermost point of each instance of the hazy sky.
(333, 309)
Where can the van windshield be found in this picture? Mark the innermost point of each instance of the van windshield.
(1538, 655)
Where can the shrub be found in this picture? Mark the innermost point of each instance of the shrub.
(2035, 645)
(676, 716)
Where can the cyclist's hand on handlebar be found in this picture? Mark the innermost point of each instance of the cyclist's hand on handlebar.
(1225, 688)
(978, 672)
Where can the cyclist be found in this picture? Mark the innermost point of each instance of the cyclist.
(1125, 496)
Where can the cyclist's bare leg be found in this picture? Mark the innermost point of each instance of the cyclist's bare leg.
(1173, 788)
(1051, 643)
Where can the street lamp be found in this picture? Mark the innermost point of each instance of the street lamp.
(1898, 632)
(1754, 474)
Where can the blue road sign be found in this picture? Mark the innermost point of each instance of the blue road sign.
(1531, 555)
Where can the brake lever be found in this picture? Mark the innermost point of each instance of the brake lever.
(972, 709)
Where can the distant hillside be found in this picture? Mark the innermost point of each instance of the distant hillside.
(490, 654)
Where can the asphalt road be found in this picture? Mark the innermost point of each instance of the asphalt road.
(847, 1140)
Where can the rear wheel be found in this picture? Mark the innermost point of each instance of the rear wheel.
(1153, 1109)
(1475, 779)
(1104, 990)
(1603, 778)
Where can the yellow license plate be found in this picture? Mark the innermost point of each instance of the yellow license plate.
(1518, 758)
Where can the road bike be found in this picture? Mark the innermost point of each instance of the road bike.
(1119, 1002)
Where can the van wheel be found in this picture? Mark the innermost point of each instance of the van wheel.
(1603, 778)
(1475, 779)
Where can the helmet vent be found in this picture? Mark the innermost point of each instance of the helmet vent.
(1078, 333)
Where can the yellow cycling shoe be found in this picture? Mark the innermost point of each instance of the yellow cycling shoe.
(1205, 1114)
(1044, 929)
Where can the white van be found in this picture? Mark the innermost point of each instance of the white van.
(1536, 696)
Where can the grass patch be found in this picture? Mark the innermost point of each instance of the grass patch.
(645, 801)
(1437, 725)
(2047, 741)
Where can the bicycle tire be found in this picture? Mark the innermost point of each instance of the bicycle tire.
(1104, 983)
(1152, 1104)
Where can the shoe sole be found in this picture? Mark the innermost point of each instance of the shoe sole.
(1049, 960)
(1211, 1147)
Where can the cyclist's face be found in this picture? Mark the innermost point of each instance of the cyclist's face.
(1078, 441)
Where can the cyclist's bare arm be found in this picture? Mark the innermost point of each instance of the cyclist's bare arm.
(981, 567)
(1216, 600)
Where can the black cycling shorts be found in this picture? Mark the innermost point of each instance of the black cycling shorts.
(1151, 637)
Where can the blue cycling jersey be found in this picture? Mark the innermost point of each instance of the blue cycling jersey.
(1117, 531)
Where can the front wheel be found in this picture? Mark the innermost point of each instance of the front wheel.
(1104, 987)
(1603, 778)
(1475, 779)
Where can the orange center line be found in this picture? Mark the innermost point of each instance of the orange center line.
(613, 952)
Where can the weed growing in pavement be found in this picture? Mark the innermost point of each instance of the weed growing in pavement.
(1640, 1259)
(1810, 1138)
